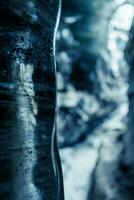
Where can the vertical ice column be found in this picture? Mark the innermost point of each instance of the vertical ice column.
(29, 160)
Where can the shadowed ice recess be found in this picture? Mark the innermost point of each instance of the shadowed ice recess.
(94, 113)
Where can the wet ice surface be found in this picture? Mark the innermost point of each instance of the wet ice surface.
(87, 120)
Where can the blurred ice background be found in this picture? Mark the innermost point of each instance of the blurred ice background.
(92, 86)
